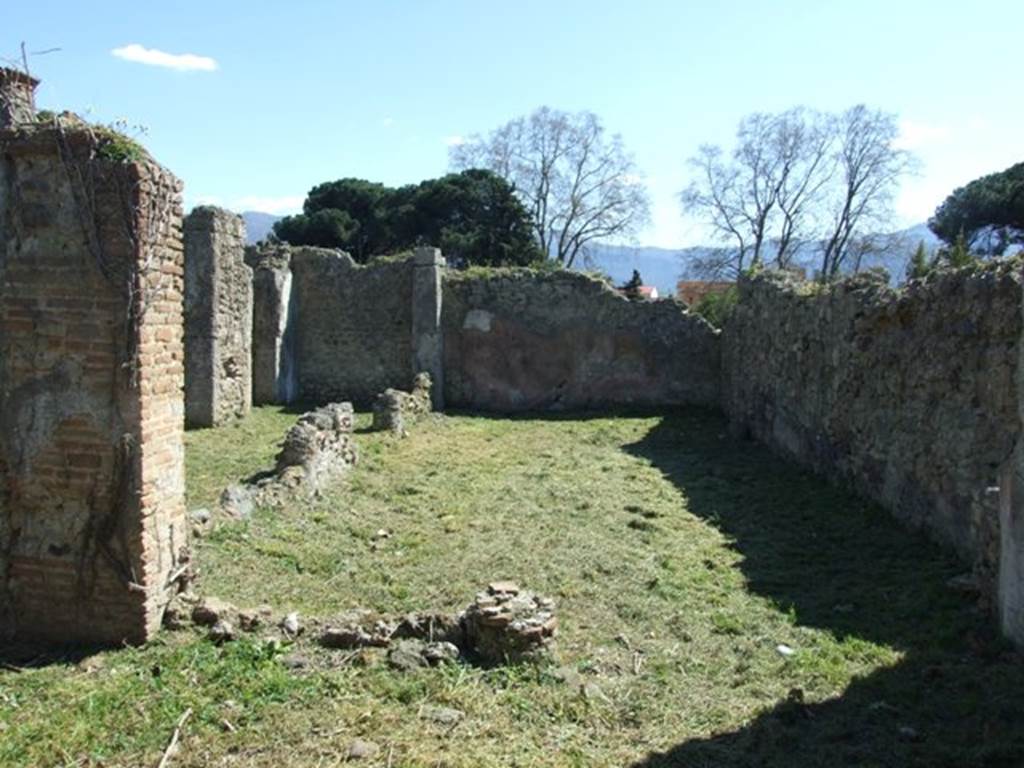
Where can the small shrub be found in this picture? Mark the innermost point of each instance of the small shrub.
(716, 308)
(114, 143)
(117, 147)
(547, 266)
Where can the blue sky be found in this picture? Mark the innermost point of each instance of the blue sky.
(306, 92)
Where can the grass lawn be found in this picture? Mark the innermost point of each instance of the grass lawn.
(680, 559)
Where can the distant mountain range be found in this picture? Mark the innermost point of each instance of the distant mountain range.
(664, 267)
(258, 225)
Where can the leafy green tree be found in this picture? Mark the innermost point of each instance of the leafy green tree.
(991, 204)
(365, 203)
(476, 218)
(473, 216)
(329, 228)
(919, 265)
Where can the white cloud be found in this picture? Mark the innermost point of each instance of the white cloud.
(915, 135)
(276, 205)
(182, 62)
(387, 122)
(454, 141)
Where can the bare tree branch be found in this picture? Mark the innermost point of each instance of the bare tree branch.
(578, 186)
(798, 178)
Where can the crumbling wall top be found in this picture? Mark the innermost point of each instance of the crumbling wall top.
(17, 97)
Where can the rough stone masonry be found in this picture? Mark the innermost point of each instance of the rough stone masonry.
(93, 534)
(218, 318)
(394, 410)
(518, 339)
(910, 395)
(273, 336)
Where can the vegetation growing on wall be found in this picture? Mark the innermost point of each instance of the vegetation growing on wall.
(716, 308)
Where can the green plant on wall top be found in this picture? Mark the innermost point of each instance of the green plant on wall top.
(114, 143)
(716, 308)
(919, 265)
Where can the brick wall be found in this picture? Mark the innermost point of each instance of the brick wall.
(92, 518)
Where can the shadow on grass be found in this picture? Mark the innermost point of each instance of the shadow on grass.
(844, 565)
(19, 655)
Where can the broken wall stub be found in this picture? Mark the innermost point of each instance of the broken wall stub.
(394, 410)
(17, 97)
(319, 447)
(273, 348)
(317, 450)
(93, 533)
(910, 396)
(218, 318)
(518, 339)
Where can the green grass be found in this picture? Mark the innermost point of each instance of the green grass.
(660, 538)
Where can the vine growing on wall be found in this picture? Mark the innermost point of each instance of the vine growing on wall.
(112, 183)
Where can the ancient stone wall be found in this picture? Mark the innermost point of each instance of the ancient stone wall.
(273, 348)
(522, 340)
(218, 318)
(352, 326)
(911, 396)
(92, 518)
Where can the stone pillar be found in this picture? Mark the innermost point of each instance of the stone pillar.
(17, 98)
(218, 318)
(93, 533)
(427, 338)
(274, 377)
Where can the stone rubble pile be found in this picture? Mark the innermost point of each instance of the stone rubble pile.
(504, 624)
(394, 410)
(317, 450)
